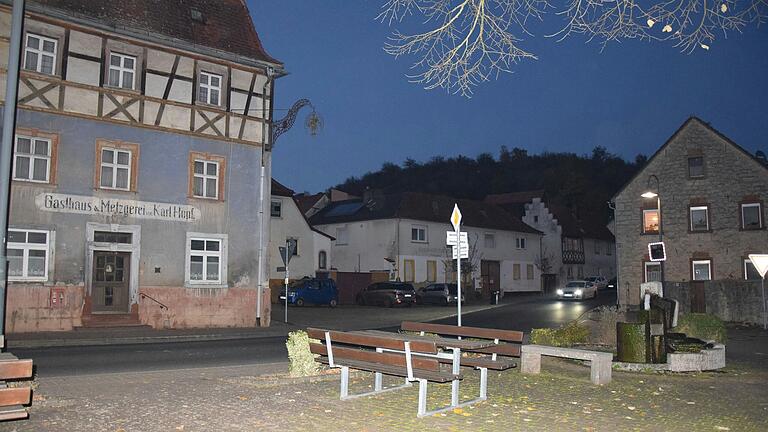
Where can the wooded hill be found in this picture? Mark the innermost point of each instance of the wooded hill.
(584, 183)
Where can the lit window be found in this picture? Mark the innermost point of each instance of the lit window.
(699, 218)
(206, 179)
(751, 216)
(40, 54)
(750, 272)
(209, 88)
(490, 241)
(28, 255)
(529, 271)
(696, 167)
(207, 259)
(276, 208)
(418, 233)
(516, 271)
(702, 270)
(122, 71)
(651, 221)
(32, 159)
(652, 272)
(115, 168)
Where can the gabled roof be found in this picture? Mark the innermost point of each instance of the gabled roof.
(575, 227)
(422, 207)
(226, 24)
(514, 202)
(692, 119)
(306, 202)
(278, 189)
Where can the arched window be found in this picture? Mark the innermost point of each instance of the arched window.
(322, 260)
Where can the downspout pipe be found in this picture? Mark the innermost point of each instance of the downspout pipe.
(6, 150)
(265, 142)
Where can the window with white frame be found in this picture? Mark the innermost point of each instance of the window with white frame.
(28, 255)
(115, 168)
(209, 88)
(322, 260)
(418, 233)
(276, 208)
(699, 218)
(529, 271)
(32, 159)
(40, 54)
(489, 240)
(122, 71)
(205, 260)
(342, 235)
(750, 272)
(751, 216)
(520, 243)
(701, 270)
(652, 272)
(206, 179)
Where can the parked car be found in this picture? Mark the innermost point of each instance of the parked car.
(438, 293)
(387, 294)
(612, 284)
(579, 289)
(600, 281)
(313, 291)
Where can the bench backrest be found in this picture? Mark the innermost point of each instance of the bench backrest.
(473, 332)
(361, 348)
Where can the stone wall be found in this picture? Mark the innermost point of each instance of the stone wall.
(730, 300)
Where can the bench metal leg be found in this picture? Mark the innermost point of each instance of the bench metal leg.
(378, 387)
(377, 381)
(344, 382)
(422, 398)
(483, 384)
(456, 369)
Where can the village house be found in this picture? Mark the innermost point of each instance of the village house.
(405, 234)
(571, 248)
(140, 158)
(712, 195)
(312, 255)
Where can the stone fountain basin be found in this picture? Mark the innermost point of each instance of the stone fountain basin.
(704, 360)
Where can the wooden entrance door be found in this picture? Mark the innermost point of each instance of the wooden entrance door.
(698, 299)
(111, 281)
(490, 272)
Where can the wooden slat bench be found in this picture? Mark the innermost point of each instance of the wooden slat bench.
(600, 362)
(505, 346)
(13, 399)
(383, 356)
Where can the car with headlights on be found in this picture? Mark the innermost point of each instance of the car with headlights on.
(577, 290)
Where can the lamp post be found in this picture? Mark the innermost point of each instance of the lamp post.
(650, 194)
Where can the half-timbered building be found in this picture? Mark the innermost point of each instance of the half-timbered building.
(139, 163)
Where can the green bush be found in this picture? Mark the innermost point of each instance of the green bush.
(703, 326)
(302, 361)
(566, 336)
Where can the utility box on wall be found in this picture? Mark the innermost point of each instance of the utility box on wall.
(57, 298)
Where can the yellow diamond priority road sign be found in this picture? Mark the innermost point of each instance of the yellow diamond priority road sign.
(456, 217)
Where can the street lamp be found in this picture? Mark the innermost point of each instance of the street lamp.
(650, 194)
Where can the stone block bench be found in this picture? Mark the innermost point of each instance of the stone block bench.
(600, 362)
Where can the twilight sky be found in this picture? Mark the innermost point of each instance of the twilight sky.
(629, 98)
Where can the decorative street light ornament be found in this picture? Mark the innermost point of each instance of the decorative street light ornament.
(314, 123)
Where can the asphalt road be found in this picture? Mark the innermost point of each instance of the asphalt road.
(518, 313)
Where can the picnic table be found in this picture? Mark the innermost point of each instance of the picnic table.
(455, 346)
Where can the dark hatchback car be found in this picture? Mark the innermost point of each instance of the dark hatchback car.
(438, 293)
(387, 294)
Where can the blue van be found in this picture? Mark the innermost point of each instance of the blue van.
(313, 291)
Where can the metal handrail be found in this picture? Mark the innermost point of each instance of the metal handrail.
(162, 306)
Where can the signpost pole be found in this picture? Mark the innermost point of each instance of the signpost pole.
(285, 260)
(458, 273)
(765, 312)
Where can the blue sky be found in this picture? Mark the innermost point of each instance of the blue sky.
(629, 97)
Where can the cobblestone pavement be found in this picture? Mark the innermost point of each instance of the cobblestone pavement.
(260, 398)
